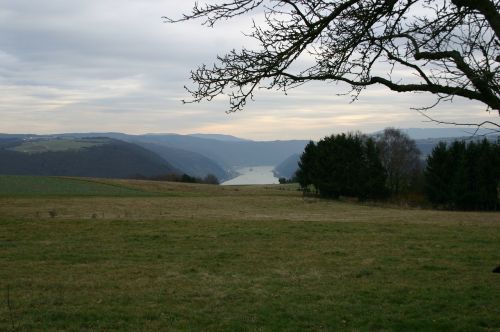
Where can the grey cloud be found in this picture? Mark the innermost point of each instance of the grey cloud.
(64, 63)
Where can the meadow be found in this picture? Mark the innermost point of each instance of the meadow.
(57, 145)
(95, 255)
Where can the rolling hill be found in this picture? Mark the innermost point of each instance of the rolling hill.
(288, 167)
(229, 154)
(191, 163)
(92, 157)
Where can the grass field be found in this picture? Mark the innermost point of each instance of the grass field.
(56, 145)
(248, 258)
(43, 186)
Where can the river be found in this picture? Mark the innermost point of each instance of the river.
(254, 175)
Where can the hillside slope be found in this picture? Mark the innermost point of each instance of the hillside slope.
(288, 167)
(191, 163)
(229, 154)
(107, 158)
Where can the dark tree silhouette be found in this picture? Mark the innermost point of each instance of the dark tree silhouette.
(464, 176)
(307, 166)
(210, 179)
(438, 175)
(451, 46)
(373, 174)
(343, 165)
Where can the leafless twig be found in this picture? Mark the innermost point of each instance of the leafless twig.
(478, 126)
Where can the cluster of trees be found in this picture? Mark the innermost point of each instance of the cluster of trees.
(459, 176)
(464, 176)
(357, 165)
(175, 177)
(345, 164)
(283, 180)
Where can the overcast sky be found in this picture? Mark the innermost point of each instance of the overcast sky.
(113, 65)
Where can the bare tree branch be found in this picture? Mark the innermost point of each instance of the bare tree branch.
(477, 126)
(451, 47)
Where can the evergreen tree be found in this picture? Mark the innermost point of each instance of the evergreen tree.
(339, 160)
(460, 182)
(307, 165)
(373, 177)
(437, 175)
(488, 176)
(464, 176)
(343, 164)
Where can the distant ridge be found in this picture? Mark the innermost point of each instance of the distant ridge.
(229, 154)
(219, 137)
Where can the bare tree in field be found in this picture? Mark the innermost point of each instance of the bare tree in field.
(451, 46)
(400, 157)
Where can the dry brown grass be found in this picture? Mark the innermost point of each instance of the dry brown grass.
(247, 258)
(208, 202)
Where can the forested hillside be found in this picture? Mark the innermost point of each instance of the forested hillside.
(102, 157)
(228, 154)
(191, 163)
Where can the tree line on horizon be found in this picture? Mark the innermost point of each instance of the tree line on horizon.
(176, 177)
(463, 176)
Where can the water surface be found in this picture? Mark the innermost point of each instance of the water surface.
(254, 175)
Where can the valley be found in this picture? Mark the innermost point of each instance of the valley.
(118, 155)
